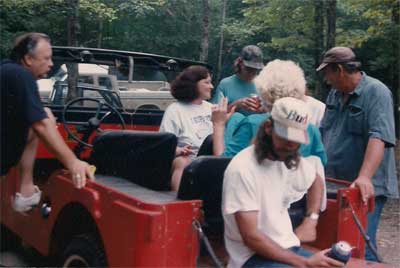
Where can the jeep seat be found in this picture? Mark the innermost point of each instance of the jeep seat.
(206, 148)
(203, 179)
(144, 158)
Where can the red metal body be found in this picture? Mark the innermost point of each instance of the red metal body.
(336, 222)
(134, 233)
(137, 233)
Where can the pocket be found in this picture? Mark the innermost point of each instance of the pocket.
(355, 120)
(329, 116)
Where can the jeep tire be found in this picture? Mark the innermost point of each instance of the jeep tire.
(84, 251)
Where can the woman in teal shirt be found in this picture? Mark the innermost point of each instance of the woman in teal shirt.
(273, 83)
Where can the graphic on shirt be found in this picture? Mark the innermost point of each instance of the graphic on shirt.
(202, 125)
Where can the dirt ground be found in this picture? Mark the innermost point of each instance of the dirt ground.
(388, 237)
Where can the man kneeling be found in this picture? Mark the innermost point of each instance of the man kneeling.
(261, 182)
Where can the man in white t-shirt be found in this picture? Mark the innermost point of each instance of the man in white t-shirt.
(261, 182)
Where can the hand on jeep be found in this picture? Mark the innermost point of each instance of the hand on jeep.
(320, 259)
(307, 230)
(183, 151)
(81, 171)
(366, 187)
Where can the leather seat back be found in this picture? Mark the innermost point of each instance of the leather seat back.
(203, 179)
(144, 158)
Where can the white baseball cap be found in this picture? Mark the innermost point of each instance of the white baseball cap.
(291, 118)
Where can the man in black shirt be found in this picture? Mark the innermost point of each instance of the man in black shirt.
(24, 120)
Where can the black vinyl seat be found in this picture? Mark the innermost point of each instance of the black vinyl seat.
(203, 179)
(206, 148)
(144, 158)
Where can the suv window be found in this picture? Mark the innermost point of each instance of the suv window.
(86, 79)
(105, 82)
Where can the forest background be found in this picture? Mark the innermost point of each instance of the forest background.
(214, 31)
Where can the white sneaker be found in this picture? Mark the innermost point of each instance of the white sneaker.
(24, 204)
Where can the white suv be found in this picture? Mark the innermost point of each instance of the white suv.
(137, 95)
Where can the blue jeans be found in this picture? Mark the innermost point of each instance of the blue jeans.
(257, 261)
(372, 227)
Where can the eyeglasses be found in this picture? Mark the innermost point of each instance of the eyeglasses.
(251, 70)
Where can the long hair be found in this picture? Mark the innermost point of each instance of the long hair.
(264, 147)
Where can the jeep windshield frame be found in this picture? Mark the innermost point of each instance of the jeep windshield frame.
(123, 60)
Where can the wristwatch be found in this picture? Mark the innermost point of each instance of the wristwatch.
(313, 216)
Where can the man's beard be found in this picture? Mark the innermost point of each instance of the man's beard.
(264, 148)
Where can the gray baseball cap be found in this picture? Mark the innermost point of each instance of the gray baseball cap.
(252, 57)
(337, 55)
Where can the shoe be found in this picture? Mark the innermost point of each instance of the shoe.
(24, 204)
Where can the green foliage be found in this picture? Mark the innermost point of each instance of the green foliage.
(165, 27)
(97, 9)
(283, 29)
(140, 8)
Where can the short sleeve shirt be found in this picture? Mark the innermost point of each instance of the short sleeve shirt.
(20, 108)
(191, 123)
(347, 127)
(246, 131)
(233, 88)
(268, 188)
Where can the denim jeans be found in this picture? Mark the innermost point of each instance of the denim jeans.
(257, 261)
(372, 227)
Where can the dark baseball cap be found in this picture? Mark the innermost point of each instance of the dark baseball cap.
(252, 57)
(337, 55)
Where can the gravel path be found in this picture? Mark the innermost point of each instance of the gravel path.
(389, 233)
(388, 237)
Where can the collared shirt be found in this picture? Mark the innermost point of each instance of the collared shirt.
(347, 127)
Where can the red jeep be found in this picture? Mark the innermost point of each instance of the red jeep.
(128, 217)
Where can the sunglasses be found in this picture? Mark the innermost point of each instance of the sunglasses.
(251, 70)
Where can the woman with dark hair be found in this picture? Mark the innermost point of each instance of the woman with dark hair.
(192, 118)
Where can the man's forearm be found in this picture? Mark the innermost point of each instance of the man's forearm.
(266, 247)
(372, 158)
(262, 244)
(314, 195)
(307, 231)
(53, 141)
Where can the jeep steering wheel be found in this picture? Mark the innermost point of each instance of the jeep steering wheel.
(93, 124)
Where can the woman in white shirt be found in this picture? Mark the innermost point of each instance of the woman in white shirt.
(192, 118)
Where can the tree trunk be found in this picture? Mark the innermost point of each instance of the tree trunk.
(72, 34)
(221, 39)
(395, 66)
(100, 33)
(331, 22)
(204, 42)
(318, 45)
